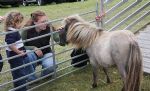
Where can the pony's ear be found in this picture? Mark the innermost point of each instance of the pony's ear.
(72, 18)
(65, 21)
(32, 15)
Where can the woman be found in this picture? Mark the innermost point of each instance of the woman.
(47, 62)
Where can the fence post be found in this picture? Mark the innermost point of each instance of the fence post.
(97, 12)
(53, 51)
(102, 12)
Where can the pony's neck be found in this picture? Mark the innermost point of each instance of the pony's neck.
(82, 35)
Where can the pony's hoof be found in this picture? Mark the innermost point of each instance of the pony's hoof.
(122, 89)
(94, 85)
(109, 82)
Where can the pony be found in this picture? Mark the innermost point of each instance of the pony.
(106, 48)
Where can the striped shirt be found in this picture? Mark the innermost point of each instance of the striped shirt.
(13, 38)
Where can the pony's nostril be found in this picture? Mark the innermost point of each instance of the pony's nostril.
(62, 44)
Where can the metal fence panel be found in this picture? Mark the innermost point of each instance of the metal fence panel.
(103, 22)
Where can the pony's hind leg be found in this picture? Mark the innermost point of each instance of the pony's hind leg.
(122, 71)
(106, 73)
(95, 74)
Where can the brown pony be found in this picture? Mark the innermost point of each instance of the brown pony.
(105, 49)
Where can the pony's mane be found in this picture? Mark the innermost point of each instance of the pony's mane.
(82, 34)
(71, 18)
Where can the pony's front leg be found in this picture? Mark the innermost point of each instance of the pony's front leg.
(95, 75)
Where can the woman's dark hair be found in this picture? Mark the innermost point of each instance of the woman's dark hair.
(34, 17)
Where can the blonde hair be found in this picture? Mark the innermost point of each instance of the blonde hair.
(12, 19)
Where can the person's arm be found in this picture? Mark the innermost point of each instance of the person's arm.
(15, 49)
(55, 35)
(1, 63)
(29, 47)
(24, 37)
(38, 52)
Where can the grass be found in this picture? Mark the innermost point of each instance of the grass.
(79, 80)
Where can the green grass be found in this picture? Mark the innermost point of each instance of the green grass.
(80, 80)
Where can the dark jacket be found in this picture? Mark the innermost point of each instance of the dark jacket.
(41, 42)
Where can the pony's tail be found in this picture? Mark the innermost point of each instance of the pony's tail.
(134, 68)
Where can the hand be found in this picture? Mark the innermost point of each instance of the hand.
(60, 28)
(1, 66)
(38, 52)
(22, 53)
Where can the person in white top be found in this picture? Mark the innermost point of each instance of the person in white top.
(1, 18)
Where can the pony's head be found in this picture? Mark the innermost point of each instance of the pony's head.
(67, 23)
(78, 32)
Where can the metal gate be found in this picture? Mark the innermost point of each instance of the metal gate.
(123, 18)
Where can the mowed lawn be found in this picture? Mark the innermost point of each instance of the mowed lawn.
(80, 80)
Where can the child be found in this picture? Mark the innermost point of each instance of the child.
(13, 22)
(1, 62)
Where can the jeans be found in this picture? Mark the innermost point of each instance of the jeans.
(18, 73)
(30, 68)
(47, 64)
